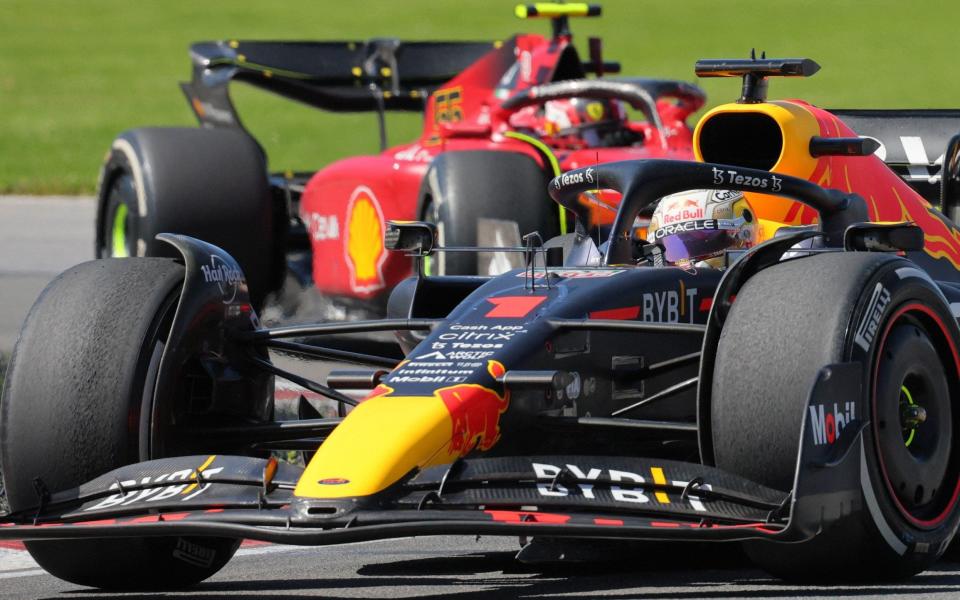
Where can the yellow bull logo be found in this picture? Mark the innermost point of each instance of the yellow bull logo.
(364, 248)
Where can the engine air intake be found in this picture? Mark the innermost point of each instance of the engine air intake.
(745, 139)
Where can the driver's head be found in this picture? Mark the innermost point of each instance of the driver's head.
(699, 225)
(583, 122)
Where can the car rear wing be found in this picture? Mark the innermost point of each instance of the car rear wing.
(377, 75)
(913, 142)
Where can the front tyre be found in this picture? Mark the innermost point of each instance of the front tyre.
(77, 402)
(788, 322)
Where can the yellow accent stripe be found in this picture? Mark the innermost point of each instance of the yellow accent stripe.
(242, 62)
(200, 469)
(659, 479)
(873, 203)
(551, 158)
(913, 432)
(552, 10)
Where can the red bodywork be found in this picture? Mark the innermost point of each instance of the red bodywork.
(346, 203)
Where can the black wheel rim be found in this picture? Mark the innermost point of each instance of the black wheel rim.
(913, 421)
(119, 239)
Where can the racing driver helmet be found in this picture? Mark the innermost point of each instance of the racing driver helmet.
(584, 122)
(696, 227)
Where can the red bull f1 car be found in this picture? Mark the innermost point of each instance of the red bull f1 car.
(798, 399)
(522, 106)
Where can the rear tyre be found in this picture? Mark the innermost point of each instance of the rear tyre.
(481, 194)
(207, 183)
(77, 402)
(789, 321)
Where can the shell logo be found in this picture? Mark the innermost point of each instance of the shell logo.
(363, 247)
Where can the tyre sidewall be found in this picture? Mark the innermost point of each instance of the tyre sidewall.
(73, 395)
(895, 286)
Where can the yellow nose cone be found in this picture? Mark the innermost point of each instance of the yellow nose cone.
(387, 437)
(379, 442)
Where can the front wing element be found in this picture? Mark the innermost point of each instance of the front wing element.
(560, 496)
(238, 497)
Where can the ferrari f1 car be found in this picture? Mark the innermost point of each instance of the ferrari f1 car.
(799, 400)
(521, 106)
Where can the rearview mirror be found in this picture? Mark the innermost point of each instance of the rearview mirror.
(413, 237)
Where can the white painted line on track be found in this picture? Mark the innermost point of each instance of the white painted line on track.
(17, 563)
(270, 549)
(24, 573)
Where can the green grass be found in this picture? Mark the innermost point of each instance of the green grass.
(74, 73)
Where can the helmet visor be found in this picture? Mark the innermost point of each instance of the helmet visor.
(697, 240)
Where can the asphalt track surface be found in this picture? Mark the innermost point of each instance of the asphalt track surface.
(41, 237)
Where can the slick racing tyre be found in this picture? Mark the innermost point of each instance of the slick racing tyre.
(789, 321)
(207, 183)
(77, 402)
(486, 198)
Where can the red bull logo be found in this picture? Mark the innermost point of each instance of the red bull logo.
(475, 413)
(683, 209)
(888, 197)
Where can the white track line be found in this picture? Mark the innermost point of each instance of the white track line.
(17, 563)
